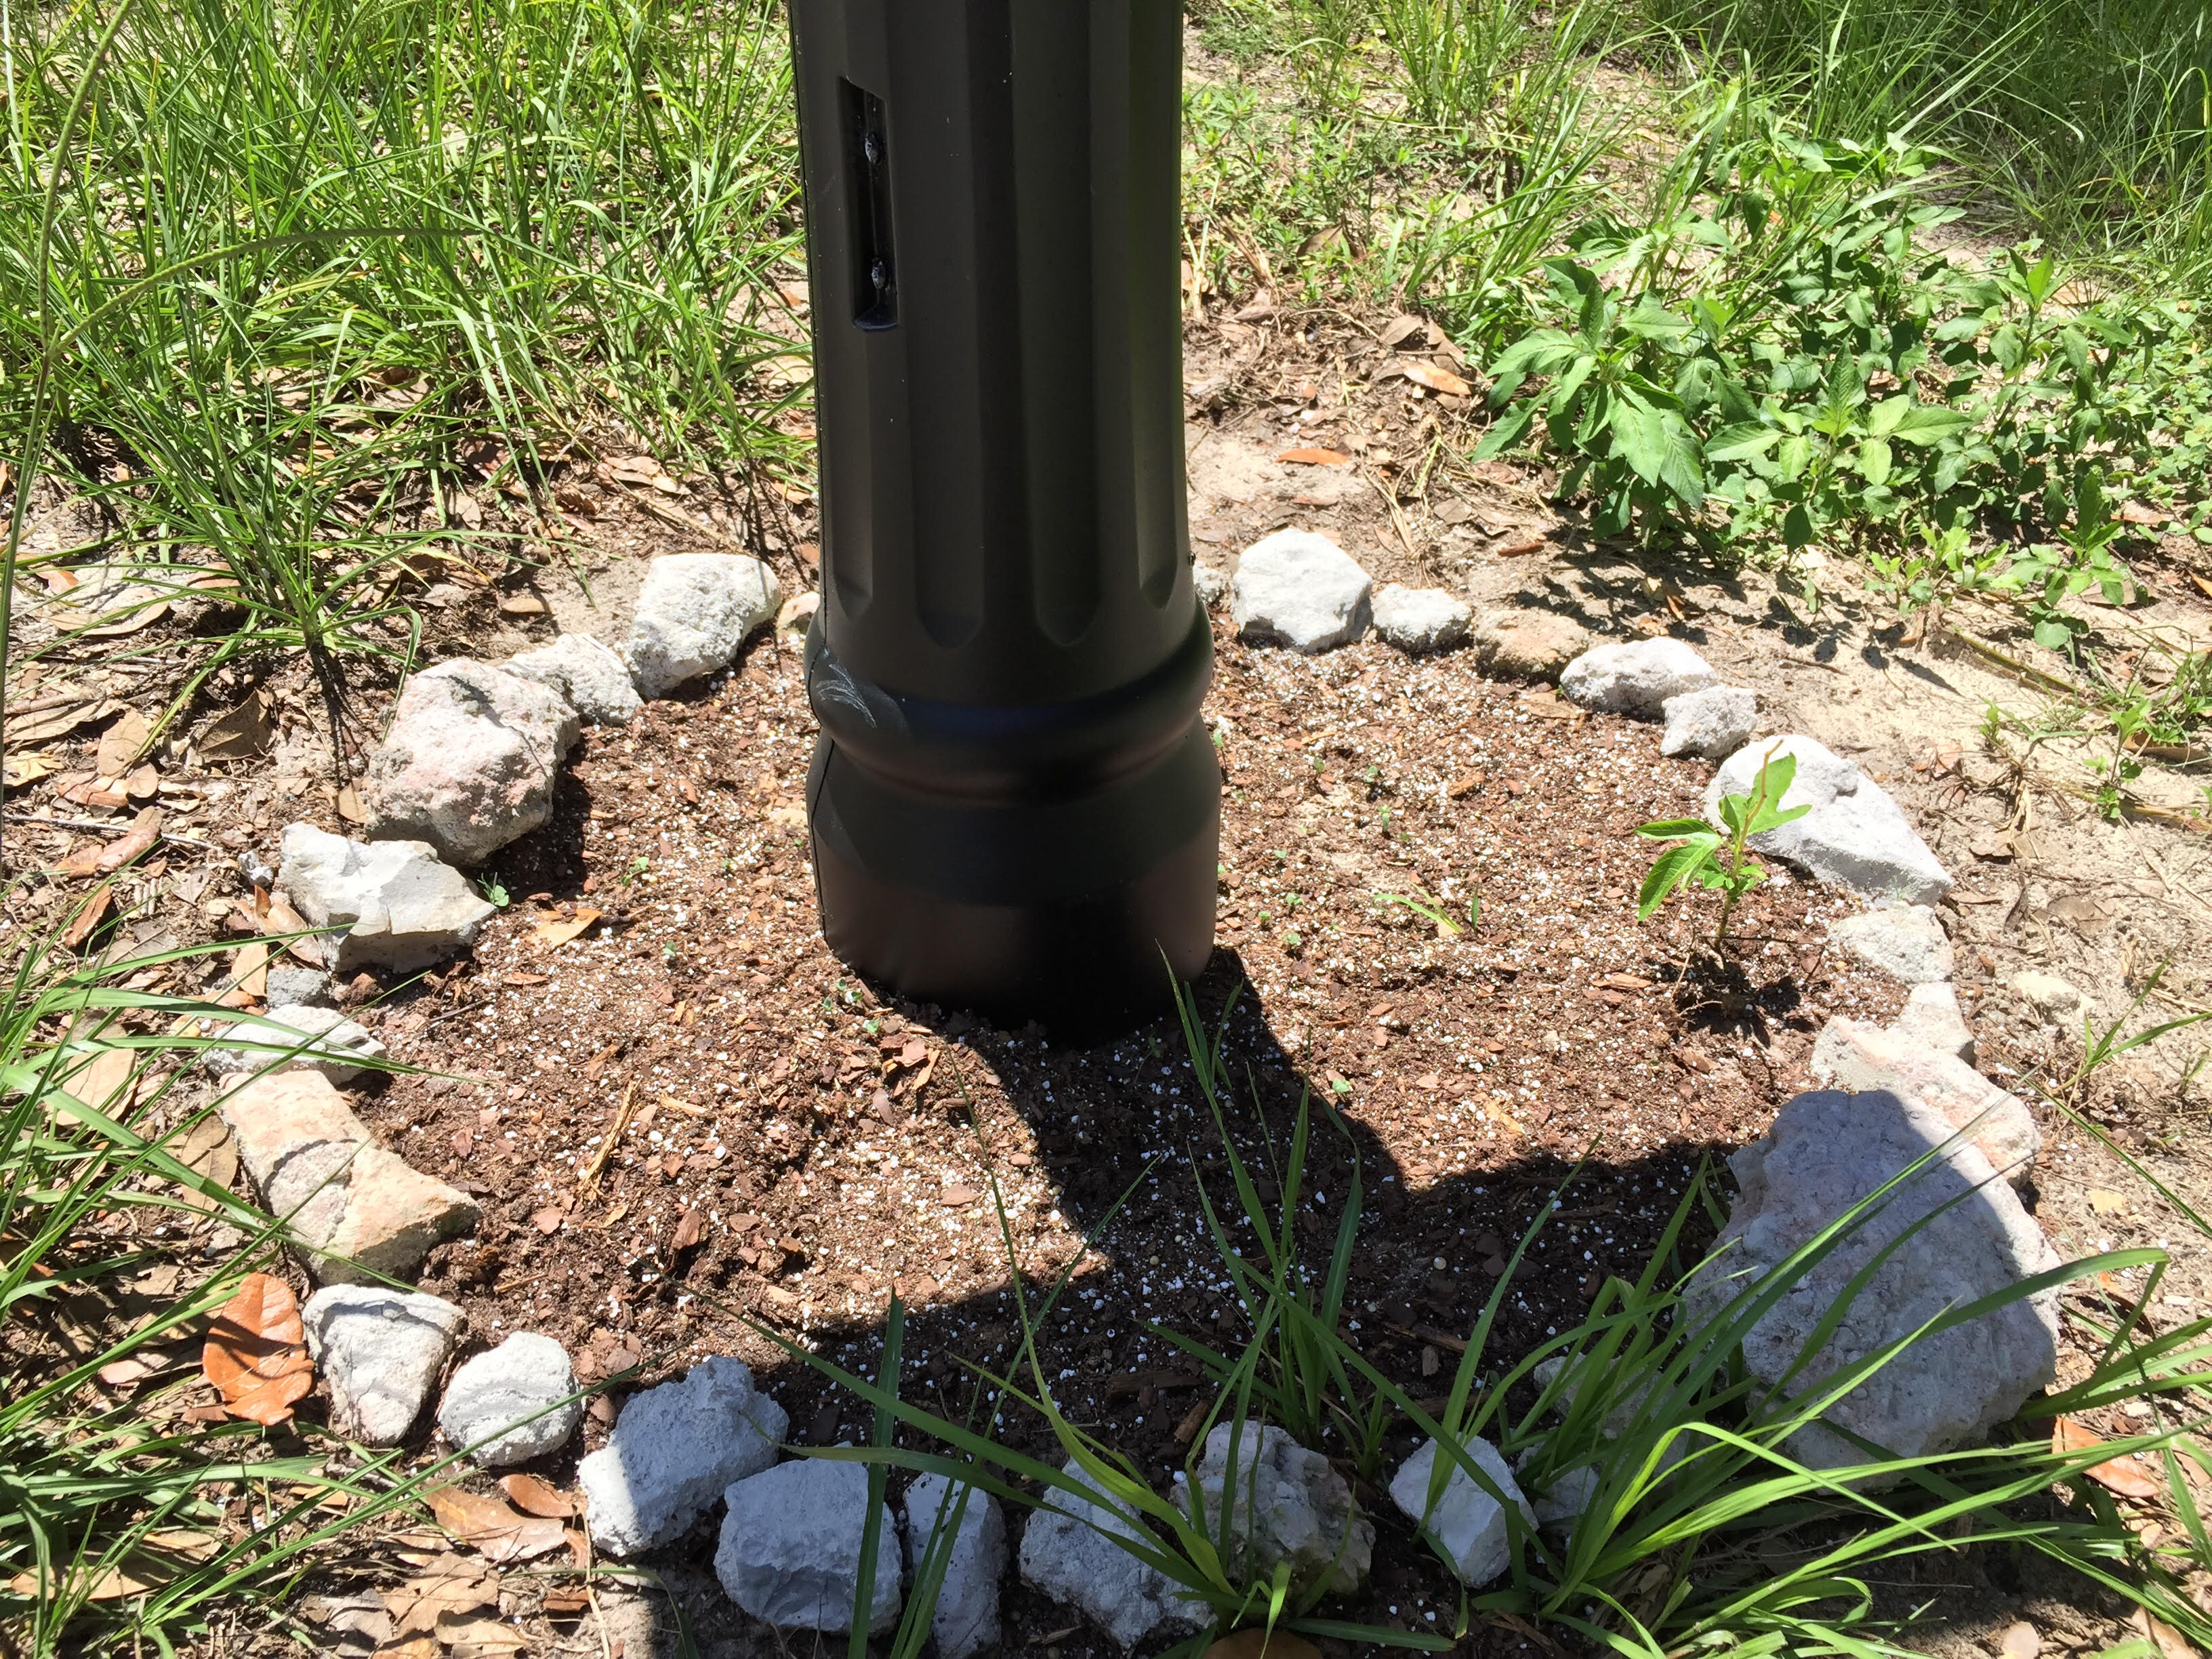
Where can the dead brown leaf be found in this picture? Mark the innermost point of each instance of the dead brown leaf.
(2172, 1643)
(255, 1354)
(455, 1590)
(480, 1638)
(1438, 379)
(1315, 457)
(534, 1497)
(205, 1149)
(498, 1533)
(145, 831)
(88, 916)
(58, 720)
(249, 968)
(244, 731)
(119, 745)
(105, 1083)
(555, 931)
(2123, 1476)
(1401, 329)
(351, 808)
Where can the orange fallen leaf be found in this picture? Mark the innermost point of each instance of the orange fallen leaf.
(2122, 1475)
(2105, 1201)
(279, 918)
(85, 861)
(1315, 457)
(1438, 380)
(249, 969)
(88, 917)
(553, 933)
(534, 1497)
(256, 1354)
(498, 1533)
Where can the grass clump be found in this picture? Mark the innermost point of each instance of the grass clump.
(287, 283)
(1695, 1527)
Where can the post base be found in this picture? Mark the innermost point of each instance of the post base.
(1073, 911)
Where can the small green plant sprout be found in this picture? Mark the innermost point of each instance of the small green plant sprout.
(1446, 927)
(495, 893)
(1716, 859)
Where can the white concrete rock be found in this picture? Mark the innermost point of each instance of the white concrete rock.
(1635, 678)
(469, 762)
(1932, 1019)
(1466, 1521)
(2057, 1002)
(1284, 1503)
(1709, 725)
(388, 903)
(592, 678)
(673, 1450)
(1064, 1555)
(380, 1352)
(1558, 1507)
(1211, 583)
(1300, 589)
(1825, 1153)
(1855, 835)
(790, 1553)
(510, 1398)
(1417, 620)
(327, 1042)
(294, 987)
(1529, 644)
(1857, 1057)
(694, 613)
(966, 1620)
(1905, 941)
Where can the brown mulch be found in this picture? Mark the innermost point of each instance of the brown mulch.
(796, 1147)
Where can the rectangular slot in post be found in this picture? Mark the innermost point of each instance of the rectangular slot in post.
(868, 190)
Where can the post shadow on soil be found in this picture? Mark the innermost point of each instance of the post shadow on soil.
(1092, 1115)
(1429, 1253)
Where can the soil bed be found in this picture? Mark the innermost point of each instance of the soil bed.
(833, 1146)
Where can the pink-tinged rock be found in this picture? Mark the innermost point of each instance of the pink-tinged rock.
(1862, 1058)
(470, 761)
(341, 1195)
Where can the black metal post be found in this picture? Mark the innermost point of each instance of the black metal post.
(1015, 804)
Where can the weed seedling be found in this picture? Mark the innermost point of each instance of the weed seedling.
(1717, 860)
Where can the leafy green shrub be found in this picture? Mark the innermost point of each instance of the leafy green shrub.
(1772, 358)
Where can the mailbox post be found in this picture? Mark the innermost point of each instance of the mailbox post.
(1014, 804)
